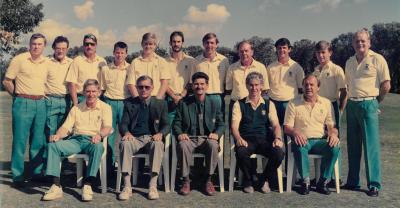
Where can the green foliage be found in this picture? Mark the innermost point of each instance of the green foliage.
(303, 53)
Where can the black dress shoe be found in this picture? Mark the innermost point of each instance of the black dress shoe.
(18, 184)
(373, 192)
(305, 189)
(332, 183)
(350, 187)
(323, 189)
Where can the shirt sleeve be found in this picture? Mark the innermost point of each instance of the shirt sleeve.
(165, 71)
(131, 76)
(107, 116)
(290, 114)
(299, 76)
(70, 120)
(340, 78)
(228, 78)
(272, 114)
(236, 115)
(383, 70)
(13, 68)
(265, 75)
(103, 83)
(73, 72)
(330, 115)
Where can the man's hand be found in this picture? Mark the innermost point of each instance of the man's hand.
(127, 137)
(277, 143)
(299, 138)
(96, 139)
(333, 140)
(213, 136)
(241, 142)
(176, 99)
(157, 137)
(183, 137)
(54, 138)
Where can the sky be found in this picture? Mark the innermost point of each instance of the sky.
(231, 20)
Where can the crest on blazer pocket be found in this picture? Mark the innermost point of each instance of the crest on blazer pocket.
(213, 120)
(157, 121)
(263, 112)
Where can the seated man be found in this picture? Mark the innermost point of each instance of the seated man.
(144, 124)
(90, 121)
(198, 124)
(252, 118)
(305, 120)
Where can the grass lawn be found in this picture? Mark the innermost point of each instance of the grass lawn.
(388, 197)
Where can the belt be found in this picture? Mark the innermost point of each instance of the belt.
(32, 97)
(362, 98)
(55, 96)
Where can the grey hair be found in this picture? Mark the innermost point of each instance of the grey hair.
(254, 75)
(90, 82)
(363, 30)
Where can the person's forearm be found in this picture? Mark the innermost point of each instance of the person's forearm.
(288, 130)
(383, 90)
(73, 93)
(105, 131)
(235, 133)
(132, 90)
(277, 131)
(342, 99)
(332, 130)
(62, 132)
(163, 89)
(9, 86)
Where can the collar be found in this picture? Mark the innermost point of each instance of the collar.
(38, 61)
(317, 101)
(155, 56)
(97, 58)
(326, 66)
(83, 105)
(218, 57)
(260, 101)
(172, 59)
(124, 66)
(65, 61)
(289, 63)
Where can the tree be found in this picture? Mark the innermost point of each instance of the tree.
(75, 51)
(228, 53)
(193, 51)
(303, 53)
(342, 49)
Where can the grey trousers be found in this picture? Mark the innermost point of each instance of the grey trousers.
(155, 150)
(208, 147)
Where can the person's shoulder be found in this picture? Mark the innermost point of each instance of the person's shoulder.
(376, 55)
(235, 65)
(273, 64)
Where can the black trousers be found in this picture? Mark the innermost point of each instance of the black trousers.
(258, 144)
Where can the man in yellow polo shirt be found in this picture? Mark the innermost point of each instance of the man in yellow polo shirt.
(57, 102)
(215, 66)
(150, 64)
(84, 67)
(181, 66)
(368, 80)
(333, 86)
(305, 120)
(29, 71)
(113, 82)
(89, 122)
(237, 73)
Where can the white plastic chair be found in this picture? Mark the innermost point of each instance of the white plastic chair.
(292, 170)
(261, 163)
(164, 168)
(199, 155)
(80, 158)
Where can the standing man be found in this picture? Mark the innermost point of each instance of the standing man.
(29, 71)
(84, 67)
(90, 122)
(331, 77)
(150, 64)
(305, 120)
(57, 102)
(144, 125)
(113, 82)
(215, 66)
(237, 73)
(252, 118)
(197, 126)
(368, 80)
(181, 66)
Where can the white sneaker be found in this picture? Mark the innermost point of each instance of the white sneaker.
(87, 193)
(153, 193)
(125, 194)
(55, 192)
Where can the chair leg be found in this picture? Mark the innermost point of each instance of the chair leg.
(290, 172)
(221, 174)
(135, 165)
(232, 171)
(118, 183)
(79, 170)
(165, 169)
(317, 166)
(337, 177)
(103, 175)
(280, 179)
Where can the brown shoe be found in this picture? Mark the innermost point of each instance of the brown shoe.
(209, 188)
(185, 190)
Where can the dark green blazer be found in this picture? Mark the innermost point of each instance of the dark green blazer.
(186, 118)
(158, 115)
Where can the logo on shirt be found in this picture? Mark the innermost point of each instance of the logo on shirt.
(157, 121)
(321, 111)
(366, 66)
(327, 74)
(213, 120)
(186, 66)
(290, 74)
(263, 112)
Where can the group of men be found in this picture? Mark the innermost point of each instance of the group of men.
(57, 106)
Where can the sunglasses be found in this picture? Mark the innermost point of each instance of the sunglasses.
(89, 44)
(143, 87)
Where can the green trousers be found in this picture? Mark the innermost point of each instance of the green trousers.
(317, 146)
(363, 132)
(57, 109)
(117, 107)
(73, 145)
(28, 121)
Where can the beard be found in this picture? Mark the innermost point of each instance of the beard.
(176, 49)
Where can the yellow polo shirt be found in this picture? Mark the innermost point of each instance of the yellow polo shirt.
(237, 113)
(82, 69)
(332, 80)
(236, 78)
(56, 84)
(156, 68)
(113, 81)
(180, 72)
(284, 80)
(364, 79)
(216, 71)
(310, 121)
(88, 121)
(30, 76)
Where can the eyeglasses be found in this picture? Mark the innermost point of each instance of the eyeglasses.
(89, 44)
(143, 87)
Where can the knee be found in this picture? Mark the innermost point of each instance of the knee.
(98, 147)
(335, 150)
(241, 152)
(157, 144)
(212, 144)
(278, 153)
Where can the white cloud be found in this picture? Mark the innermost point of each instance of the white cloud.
(134, 34)
(193, 31)
(321, 5)
(51, 29)
(84, 11)
(214, 13)
(268, 4)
